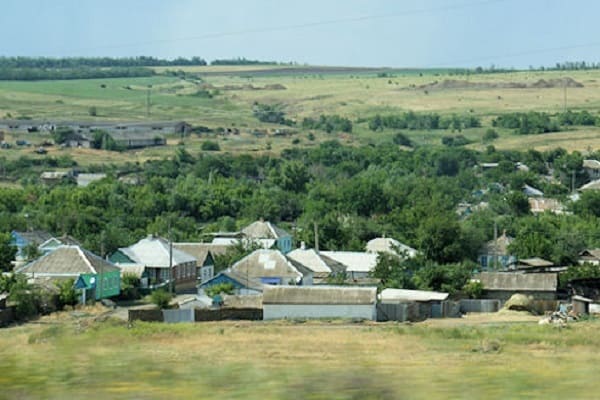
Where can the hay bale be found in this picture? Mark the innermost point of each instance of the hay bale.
(519, 302)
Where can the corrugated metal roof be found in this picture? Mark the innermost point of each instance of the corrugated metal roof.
(154, 252)
(591, 164)
(267, 263)
(353, 260)
(389, 245)
(593, 185)
(391, 295)
(319, 295)
(68, 260)
(263, 230)
(201, 250)
(516, 281)
(310, 259)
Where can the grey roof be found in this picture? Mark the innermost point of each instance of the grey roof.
(351, 295)
(263, 230)
(264, 263)
(531, 191)
(518, 282)
(37, 237)
(355, 261)
(153, 251)
(244, 280)
(590, 254)
(593, 185)
(534, 262)
(591, 164)
(84, 180)
(201, 250)
(391, 246)
(310, 259)
(404, 295)
(68, 261)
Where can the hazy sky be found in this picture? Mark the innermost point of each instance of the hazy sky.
(395, 33)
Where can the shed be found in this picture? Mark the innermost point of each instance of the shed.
(581, 305)
(502, 285)
(281, 302)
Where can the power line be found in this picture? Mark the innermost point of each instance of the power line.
(283, 28)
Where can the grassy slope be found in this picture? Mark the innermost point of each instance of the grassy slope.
(74, 358)
(309, 93)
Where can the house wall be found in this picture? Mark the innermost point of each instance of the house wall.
(282, 311)
(488, 260)
(284, 244)
(107, 284)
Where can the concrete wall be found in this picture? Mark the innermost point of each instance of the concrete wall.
(282, 311)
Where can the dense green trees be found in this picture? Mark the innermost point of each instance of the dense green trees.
(352, 193)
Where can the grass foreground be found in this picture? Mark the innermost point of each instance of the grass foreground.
(77, 356)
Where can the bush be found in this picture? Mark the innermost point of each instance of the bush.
(130, 285)
(209, 145)
(490, 135)
(402, 140)
(161, 298)
(67, 295)
(93, 111)
(473, 289)
(214, 290)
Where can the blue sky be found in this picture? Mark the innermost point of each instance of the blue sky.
(401, 33)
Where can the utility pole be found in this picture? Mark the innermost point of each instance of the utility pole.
(170, 260)
(316, 227)
(495, 266)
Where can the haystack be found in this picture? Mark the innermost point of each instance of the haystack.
(519, 302)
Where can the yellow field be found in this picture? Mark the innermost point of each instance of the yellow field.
(472, 358)
(305, 94)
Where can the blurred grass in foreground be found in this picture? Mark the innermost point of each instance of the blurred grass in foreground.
(283, 360)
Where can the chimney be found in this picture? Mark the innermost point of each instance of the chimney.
(302, 245)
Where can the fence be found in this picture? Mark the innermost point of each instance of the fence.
(195, 315)
(479, 306)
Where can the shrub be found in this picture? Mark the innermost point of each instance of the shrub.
(209, 145)
(214, 290)
(490, 135)
(67, 295)
(402, 140)
(161, 298)
(473, 289)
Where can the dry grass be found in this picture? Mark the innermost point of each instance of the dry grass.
(492, 357)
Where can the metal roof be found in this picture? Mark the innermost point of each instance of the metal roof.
(325, 295)
(391, 295)
(68, 261)
(354, 261)
(389, 245)
(154, 252)
(264, 263)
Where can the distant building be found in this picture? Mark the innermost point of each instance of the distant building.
(84, 180)
(205, 254)
(161, 266)
(268, 235)
(589, 256)
(592, 167)
(390, 246)
(502, 285)
(593, 185)
(495, 254)
(97, 277)
(268, 267)
(358, 264)
(539, 205)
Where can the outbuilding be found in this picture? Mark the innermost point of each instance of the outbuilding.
(282, 302)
